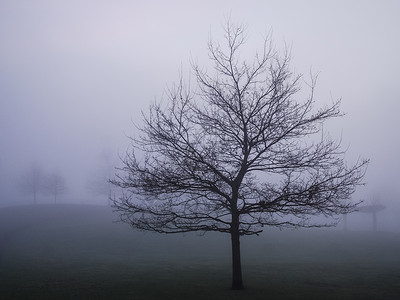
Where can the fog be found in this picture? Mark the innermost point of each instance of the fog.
(69, 251)
(75, 75)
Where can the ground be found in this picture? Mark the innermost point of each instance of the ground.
(78, 252)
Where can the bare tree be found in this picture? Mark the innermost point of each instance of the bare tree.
(32, 181)
(235, 154)
(55, 185)
(99, 182)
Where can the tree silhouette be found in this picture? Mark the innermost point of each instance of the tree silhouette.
(234, 154)
(99, 182)
(55, 185)
(32, 181)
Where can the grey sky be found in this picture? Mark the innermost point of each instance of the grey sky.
(74, 74)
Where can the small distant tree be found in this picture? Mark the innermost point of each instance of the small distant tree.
(32, 181)
(55, 185)
(99, 182)
(234, 154)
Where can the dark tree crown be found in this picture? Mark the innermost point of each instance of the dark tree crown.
(234, 150)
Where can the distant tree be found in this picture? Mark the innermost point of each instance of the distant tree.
(55, 185)
(32, 181)
(235, 154)
(99, 182)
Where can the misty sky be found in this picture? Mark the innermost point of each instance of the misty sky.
(75, 74)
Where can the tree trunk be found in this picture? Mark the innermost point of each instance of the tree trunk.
(237, 283)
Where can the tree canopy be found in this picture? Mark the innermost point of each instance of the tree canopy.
(232, 153)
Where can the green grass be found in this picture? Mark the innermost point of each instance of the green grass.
(76, 252)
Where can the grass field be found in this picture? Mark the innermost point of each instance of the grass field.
(77, 252)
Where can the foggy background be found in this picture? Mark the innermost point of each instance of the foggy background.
(74, 75)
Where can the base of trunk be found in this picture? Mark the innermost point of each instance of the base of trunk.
(237, 287)
(237, 282)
